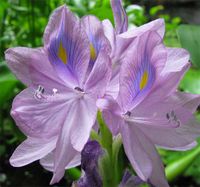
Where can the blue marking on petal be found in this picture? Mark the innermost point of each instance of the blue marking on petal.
(144, 79)
(95, 47)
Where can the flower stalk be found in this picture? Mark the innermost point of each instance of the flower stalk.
(109, 166)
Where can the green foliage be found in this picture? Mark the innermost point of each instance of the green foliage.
(73, 173)
(136, 15)
(171, 25)
(179, 166)
(155, 10)
(191, 81)
(189, 36)
(194, 170)
(8, 83)
(190, 40)
(110, 167)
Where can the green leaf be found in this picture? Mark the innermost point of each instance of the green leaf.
(118, 166)
(20, 8)
(7, 84)
(106, 136)
(179, 166)
(106, 170)
(73, 173)
(2, 150)
(190, 39)
(109, 168)
(191, 81)
(103, 13)
(154, 10)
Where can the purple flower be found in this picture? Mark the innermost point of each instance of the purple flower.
(149, 111)
(130, 180)
(121, 39)
(90, 156)
(120, 17)
(64, 78)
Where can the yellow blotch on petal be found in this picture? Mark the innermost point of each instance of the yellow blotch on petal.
(144, 80)
(92, 52)
(62, 54)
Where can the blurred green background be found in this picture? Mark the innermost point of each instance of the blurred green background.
(22, 23)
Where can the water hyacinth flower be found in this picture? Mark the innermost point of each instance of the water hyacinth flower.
(90, 156)
(149, 111)
(64, 78)
(121, 38)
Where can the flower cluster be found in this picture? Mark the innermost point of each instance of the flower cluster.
(86, 65)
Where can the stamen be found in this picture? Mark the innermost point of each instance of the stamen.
(167, 116)
(128, 113)
(171, 117)
(55, 91)
(39, 92)
(173, 121)
(79, 89)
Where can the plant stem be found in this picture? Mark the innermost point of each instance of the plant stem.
(109, 165)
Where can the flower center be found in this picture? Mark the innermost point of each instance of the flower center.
(126, 115)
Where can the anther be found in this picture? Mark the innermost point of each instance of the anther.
(55, 91)
(171, 117)
(128, 113)
(79, 89)
(39, 92)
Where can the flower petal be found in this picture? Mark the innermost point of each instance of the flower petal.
(124, 40)
(159, 114)
(74, 134)
(120, 17)
(130, 180)
(177, 58)
(32, 149)
(40, 115)
(52, 25)
(142, 64)
(98, 40)
(122, 43)
(187, 100)
(109, 32)
(100, 75)
(176, 66)
(48, 162)
(157, 25)
(64, 151)
(168, 138)
(111, 113)
(113, 86)
(31, 66)
(68, 49)
(143, 156)
(85, 111)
